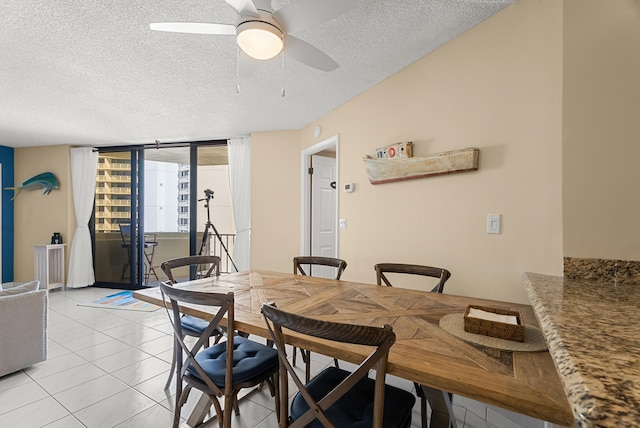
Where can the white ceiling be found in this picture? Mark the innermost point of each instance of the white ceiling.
(91, 72)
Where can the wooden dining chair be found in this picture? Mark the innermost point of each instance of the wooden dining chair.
(204, 267)
(336, 397)
(221, 370)
(441, 403)
(384, 268)
(300, 261)
(298, 268)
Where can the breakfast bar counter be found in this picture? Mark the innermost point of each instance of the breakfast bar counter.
(593, 333)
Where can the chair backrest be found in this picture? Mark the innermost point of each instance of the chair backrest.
(380, 338)
(150, 238)
(125, 234)
(434, 272)
(205, 266)
(173, 297)
(298, 261)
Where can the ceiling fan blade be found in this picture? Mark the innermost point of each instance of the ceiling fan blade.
(244, 7)
(193, 27)
(308, 54)
(303, 14)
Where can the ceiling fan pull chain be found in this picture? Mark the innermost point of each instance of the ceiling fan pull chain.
(238, 70)
(282, 53)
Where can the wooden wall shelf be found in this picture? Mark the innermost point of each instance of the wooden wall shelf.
(390, 170)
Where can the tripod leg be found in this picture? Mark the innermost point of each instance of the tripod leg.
(205, 237)
(224, 247)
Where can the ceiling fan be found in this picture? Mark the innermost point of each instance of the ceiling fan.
(262, 33)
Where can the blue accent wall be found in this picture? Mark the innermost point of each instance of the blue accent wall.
(7, 161)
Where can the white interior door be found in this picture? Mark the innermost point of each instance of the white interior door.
(323, 212)
(325, 224)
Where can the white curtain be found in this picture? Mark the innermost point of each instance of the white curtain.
(240, 184)
(84, 166)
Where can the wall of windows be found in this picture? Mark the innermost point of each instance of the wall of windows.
(157, 192)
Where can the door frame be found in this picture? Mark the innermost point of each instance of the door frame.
(305, 192)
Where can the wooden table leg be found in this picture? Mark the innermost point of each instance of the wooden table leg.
(199, 411)
(441, 408)
(203, 407)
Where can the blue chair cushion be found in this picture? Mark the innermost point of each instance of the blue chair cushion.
(193, 325)
(355, 408)
(250, 359)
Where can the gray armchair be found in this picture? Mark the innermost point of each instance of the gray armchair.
(23, 327)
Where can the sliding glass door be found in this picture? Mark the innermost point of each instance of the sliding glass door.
(116, 238)
(145, 201)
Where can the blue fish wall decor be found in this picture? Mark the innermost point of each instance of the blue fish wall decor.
(46, 181)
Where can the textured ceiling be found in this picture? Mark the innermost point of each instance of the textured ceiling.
(92, 73)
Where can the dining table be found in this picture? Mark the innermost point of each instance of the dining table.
(424, 353)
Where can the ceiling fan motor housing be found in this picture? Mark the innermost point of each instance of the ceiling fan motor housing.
(260, 38)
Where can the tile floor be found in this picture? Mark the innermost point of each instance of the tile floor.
(107, 368)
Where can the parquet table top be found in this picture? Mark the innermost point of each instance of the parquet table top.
(524, 382)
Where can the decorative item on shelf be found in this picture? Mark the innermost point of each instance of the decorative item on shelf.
(395, 151)
(46, 181)
(494, 322)
(408, 168)
(56, 238)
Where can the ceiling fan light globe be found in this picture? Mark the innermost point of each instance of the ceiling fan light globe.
(259, 40)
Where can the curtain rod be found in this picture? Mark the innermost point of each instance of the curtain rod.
(158, 145)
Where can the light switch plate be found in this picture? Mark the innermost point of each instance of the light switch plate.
(493, 223)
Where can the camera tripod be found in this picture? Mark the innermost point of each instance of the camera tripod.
(208, 195)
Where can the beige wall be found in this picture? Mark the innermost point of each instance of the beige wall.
(499, 88)
(275, 200)
(37, 216)
(601, 175)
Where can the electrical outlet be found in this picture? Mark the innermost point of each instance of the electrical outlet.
(343, 223)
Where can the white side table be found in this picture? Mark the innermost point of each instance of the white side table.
(49, 265)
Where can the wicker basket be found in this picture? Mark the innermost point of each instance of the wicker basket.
(494, 328)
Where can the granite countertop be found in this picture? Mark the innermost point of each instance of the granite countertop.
(593, 333)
